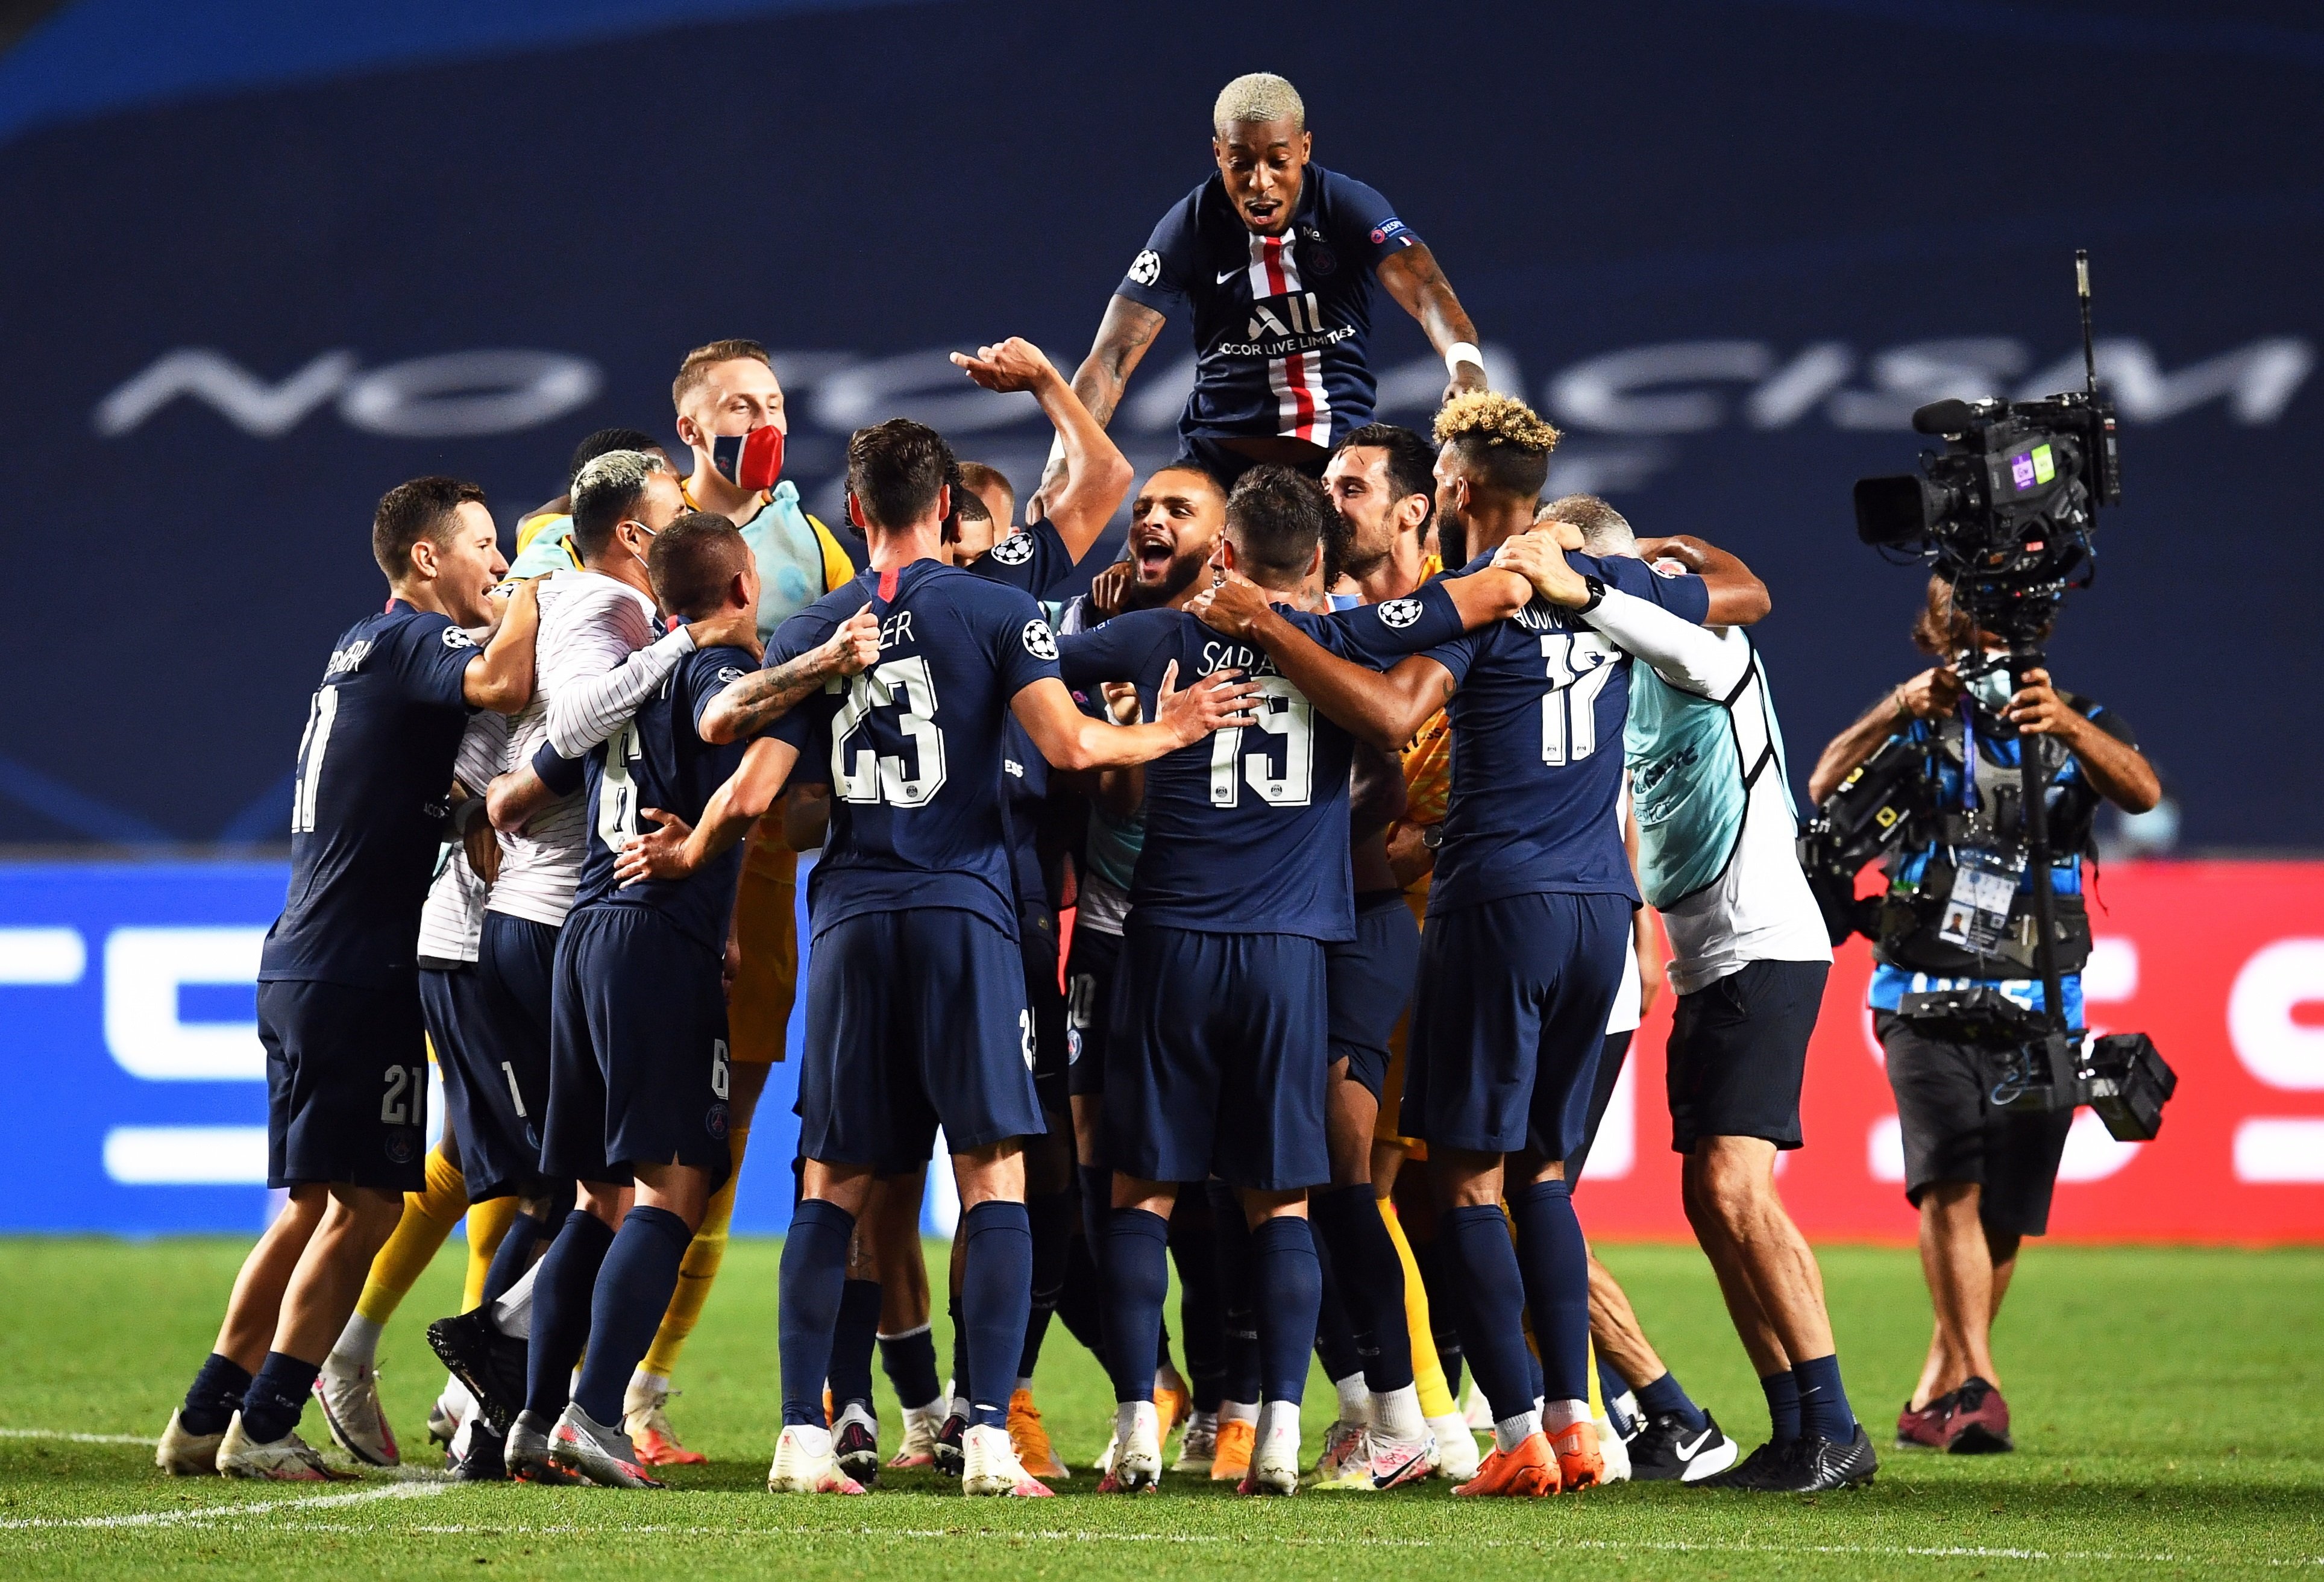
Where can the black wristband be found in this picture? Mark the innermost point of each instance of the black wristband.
(1597, 594)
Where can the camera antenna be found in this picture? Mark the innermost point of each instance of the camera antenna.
(2082, 291)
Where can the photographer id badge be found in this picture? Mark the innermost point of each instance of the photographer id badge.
(1976, 912)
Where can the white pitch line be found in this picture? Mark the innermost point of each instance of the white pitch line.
(393, 1491)
(46, 1433)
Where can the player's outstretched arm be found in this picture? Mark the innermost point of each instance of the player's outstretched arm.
(499, 678)
(760, 698)
(1737, 597)
(1421, 289)
(1384, 710)
(1692, 658)
(1123, 334)
(1096, 474)
(678, 849)
(1071, 741)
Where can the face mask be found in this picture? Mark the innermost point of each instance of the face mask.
(1992, 690)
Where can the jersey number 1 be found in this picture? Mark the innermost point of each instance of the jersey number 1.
(320, 715)
(1282, 711)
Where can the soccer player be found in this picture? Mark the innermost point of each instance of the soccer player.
(544, 538)
(338, 996)
(1528, 907)
(916, 1011)
(1241, 886)
(1276, 258)
(724, 388)
(1749, 956)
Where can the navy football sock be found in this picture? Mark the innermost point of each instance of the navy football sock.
(634, 1284)
(216, 1395)
(1288, 1285)
(1492, 1330)
(1237, 1320)
(1612, 1387)
(1370, 1276)
(1823, 1405)
(1556, 1264)
(852, 1340)
(1782, 1392)
(561, 1296)
(1051, 1215)
(513, 1256)
(1137, 1283)
(1336, 1346)
(1665, 1394)
(814, 1271)
(277, 1395)
(910, 1362)
(1448, 1306)
(1202, 1323)
(1081, 1301)
(996, 1292)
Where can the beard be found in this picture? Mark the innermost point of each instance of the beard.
(1175, 582)
(1452, 542)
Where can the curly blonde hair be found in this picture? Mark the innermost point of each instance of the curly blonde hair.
(1503, 441)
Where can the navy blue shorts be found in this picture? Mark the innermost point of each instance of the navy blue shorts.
(502, 1051)
(1230, 464)
(347, 1084)
(1089, 969)
(1218, 1058)
(1370, 979)
(447, 1000)
(638, 1058)
(914, 1020)
(1037, 946)
(1512, 1006)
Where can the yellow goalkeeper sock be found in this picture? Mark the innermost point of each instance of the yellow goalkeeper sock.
(1427, 1373)
(488, 1222)
(429, 1216)
(700, 1268)
(1597, 1395)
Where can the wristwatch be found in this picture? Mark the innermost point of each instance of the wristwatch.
(1597, 594)
(1432, 836)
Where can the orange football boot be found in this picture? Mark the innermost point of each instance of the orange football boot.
(1232, 1461)
(1529, 1472)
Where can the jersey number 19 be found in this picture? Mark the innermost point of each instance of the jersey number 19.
(1282, 712)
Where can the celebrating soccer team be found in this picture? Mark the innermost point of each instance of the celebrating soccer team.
(1349, 776)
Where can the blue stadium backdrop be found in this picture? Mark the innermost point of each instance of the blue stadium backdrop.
(268, 259)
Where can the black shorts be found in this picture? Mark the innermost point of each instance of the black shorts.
(1218, 1064)
(1739, 1049)
(347, 1084)
(1230, 464)
(638, 1065)
(1611, 1052)
(914, 1020)
(1953, 1131)
(502, 1051)
(1036, 943)
(1090, 967)
(1369, 978)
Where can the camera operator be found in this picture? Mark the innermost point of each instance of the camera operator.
(1980, 1175)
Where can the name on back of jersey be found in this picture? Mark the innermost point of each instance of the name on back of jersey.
(1231, 655)
(346, 661)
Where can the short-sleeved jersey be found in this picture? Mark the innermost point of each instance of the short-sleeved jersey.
(367, 807)
(1247, 830)
(915, 745)
(1281, 322)
(657, 759)
(1536, 720)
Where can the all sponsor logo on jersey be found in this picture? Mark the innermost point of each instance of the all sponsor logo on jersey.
(1040, 640)
(1147, 267)
(1014, 549)
(1400, 613)
(1283, 326)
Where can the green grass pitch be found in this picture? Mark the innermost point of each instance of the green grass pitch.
(2169, 1407)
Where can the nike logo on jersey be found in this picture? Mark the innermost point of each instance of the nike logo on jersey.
(1227, 275)
(1686, 1452)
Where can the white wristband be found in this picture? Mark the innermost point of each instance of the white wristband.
(1461, 352)
(1056, 452)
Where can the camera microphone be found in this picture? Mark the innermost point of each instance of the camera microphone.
(1947, 416)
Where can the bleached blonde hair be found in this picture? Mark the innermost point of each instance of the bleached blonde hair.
(1258, 95)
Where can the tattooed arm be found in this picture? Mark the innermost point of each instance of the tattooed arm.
(1123, 334)
(760, 698)
(1421, 289)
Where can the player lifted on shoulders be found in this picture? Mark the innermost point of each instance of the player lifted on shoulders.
(338, 989)
(1275, 256)
(916, 1011)
(1527, 914)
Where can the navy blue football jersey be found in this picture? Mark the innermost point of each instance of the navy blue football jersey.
(367, 807)
(657, 759)
(1034, 559)
(915, 744)
(1247, 830)
(1280, 322)
(1537, 723)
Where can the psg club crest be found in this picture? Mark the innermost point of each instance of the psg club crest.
(402, 1147)
(714, 1123)
(1318, 259)
(752, 461)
